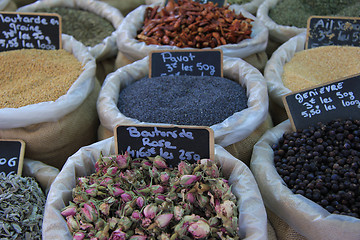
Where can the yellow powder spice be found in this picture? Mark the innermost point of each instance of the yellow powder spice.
(29, 76)
(320, 65)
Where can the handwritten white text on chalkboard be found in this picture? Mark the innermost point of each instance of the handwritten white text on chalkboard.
(11, 163)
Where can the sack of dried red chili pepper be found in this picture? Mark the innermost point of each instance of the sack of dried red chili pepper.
(190, 24)
(251, 215)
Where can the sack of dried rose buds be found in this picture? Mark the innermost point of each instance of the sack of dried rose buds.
(253, 39)
(237, 133)
(309, 193)
(80, 171)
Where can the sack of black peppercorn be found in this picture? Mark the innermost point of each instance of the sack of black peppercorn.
(93, 23)
(237, 132)
(8, 6)
(54, 130)
(297, 187)
(252, 216)
(251, 49)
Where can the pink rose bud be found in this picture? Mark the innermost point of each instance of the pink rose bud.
(140, 202)
(72, 223)
(138, 237)
(150, 211)
(159, 162)
(186, 180)
(164, 177)
(115, 191)
(163, 220)
(79, 236)
(126, 197)
(136, 215)
(157, 189)
(106, 181)
(160, 199)
(122, 160)
(184, 168)
(145, 222)
(190, 197)
(91, 192)
(105, 208)
(69, 210)
(178, 213)
(117, 235)
(199, 229)
(89, 212)
(112, 171)
(146, 164)
(112, 222)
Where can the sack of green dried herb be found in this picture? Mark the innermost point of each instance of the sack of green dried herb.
(53, 130)
(252, 215)
(93, 23)
(8, 5)
(237, 133)
(287, 193)
(134, 49)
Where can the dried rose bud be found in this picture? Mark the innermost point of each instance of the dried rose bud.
(112, 222)
(178, 213)
(202, 200)
(199, 229)
(112, 171)
(164, 236)
(160, 199)
(154, 172)
(163, 220)
(123, 160)
(117, 235)
(72, 223)
(70, 210)
(79, 236)
(99, 224)
(105, 208)
(157, 189)
(106, 181)
(159, 162)
(136, 215)
(115, 191)
(89, 212)
(145, 222)
(150, 211)
(213, 221)
(92, 192)
(138, 237)
(124, 223)
(185, 168)
(187, 180)
(190, 197)
(164, 177)
(140, 202)
(102, 235)
(210, 168)
(126, 197)
(86, 226)
(146, 164)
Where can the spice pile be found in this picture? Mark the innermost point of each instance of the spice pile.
(296, 12)
(84, 26)
(319, 65)
(145, 199)
(22, 204)
(322, 163)
(192, 24)
(186, 100)
(30, 76)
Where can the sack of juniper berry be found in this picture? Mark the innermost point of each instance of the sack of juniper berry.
(237, 132)
(252, 49)
(252, 215)
(306, 218)
(93, 23)
(54, 130)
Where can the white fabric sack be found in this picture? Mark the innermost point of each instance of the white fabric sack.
(278, 33)
(251, 6)
(303, 215)
(135, 50)
(107, 48)
(7, 5)
(233, 129)
(252, 214)
(54, 110)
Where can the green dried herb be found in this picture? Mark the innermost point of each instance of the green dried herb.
(86, 27)
(22, 205)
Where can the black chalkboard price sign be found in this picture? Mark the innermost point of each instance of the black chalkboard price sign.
(173, 142)
(220, 3)
(186, 62)
(339, 99)
(20, 30)
(339, 31)
(11, 156)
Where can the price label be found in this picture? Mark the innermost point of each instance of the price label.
(325, 31)
(29, 30)
(174, 143)
(183, 62)
(11, 156)
(338, 99)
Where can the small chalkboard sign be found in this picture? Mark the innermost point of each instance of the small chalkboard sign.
(20, 30)
(186, 62)
(339, 31)
(11, 156)
(173, 142)
(219, 3)
(338, 99)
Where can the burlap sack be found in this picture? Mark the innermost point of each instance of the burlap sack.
(55, 130)
(303, 215)
(237, 133)
(104, 52)
(252, 214)
(273, 75)
(8, 6)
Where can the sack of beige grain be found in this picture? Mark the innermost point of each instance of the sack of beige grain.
(251, 49)
(292, 68)
(237, 132)
(49, 100)
(8, 6)
(93, 23)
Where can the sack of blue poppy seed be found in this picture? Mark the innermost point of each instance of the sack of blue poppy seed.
(293, 215)
(134, 49)
(54, 130)
(252, 216)
(93, 23)
(237, 132)
(8, 6)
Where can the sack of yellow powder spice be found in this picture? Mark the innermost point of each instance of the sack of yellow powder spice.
(252, 216)
(237, 133)
(7, 5)
(104, 50)
(292, 68)
(54, 129)
(251, 50)
(294, 216)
